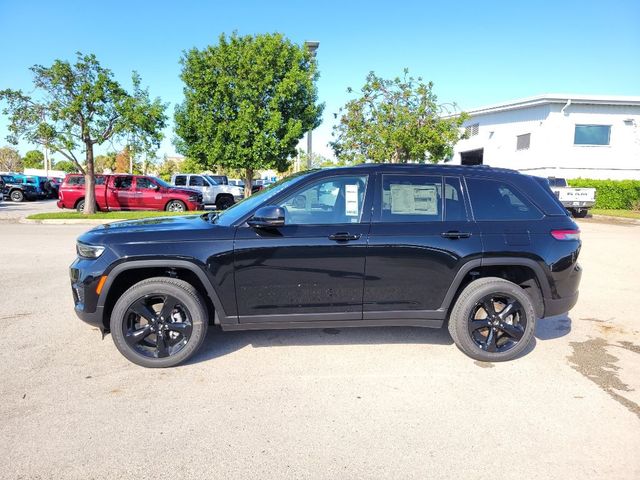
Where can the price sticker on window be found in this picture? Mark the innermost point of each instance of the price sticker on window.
(351, 200)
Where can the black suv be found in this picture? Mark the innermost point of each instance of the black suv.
(486, 250)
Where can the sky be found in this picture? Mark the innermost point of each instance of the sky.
(475, 52)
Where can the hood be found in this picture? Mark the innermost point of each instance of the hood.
(184, 191)
(157, 229)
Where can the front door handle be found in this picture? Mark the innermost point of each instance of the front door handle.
(455, 234)
(344, 236)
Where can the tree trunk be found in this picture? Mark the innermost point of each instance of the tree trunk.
(89, 182)
(248, 182)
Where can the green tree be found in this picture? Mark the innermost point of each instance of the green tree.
(33, 159)
(80, 106)
(396, 121)
(10, 160)
(66, 166)
(105, 162)
(248, 101)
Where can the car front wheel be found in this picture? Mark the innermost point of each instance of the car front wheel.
(493, 320)
(176, 206)
(159, 322)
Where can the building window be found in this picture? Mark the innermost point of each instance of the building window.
(472, 130)
(523, 141)
(592, 135)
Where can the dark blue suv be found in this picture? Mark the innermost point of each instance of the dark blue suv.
(484, 251)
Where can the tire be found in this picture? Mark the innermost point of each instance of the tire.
(135, 336)
(16, 196)
(579, 213)
(80, 206)
(176, 206)
(223, 202)
(489, 336)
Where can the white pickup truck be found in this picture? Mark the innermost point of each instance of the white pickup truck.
(576, 200)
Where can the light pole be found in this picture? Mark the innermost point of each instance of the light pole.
(312, 46)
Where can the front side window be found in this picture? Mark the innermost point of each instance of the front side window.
(592, 135)
(411, 198)
(144, 183)
(495, 200)
(329, 201)
(180, 181)
(196, 181)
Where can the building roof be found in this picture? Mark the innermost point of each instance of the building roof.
(562, 98)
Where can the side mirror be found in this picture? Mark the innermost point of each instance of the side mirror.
(269, 216)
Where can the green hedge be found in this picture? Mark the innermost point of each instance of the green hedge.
(612, 194)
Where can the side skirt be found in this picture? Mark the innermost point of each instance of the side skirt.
(405, 322)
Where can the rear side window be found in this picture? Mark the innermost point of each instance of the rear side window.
(454, 208)
(79, 180)
(180, 181)
(495, 200)
(411, 198)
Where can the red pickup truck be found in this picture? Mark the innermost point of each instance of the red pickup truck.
(129, 192)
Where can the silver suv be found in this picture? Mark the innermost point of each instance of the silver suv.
(215, 188)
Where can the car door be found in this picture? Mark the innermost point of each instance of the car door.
(148, 195)
(312, 268)
(418, 241)
(121, 193)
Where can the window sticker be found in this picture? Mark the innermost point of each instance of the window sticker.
(414, 199)
(351, 200)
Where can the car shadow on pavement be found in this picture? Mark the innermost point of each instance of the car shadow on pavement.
(553, 327)
(219, 343)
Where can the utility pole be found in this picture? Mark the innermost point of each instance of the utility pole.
(312, 46)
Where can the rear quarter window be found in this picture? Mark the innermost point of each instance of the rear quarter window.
(497, 200)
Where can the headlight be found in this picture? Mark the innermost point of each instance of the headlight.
(89, 251)
(193, 198)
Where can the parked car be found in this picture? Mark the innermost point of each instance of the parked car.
(128, 192)
(35, 181)
(214, 188)
(16, 189)
(484, 251)
(577, 200)
(52, 186)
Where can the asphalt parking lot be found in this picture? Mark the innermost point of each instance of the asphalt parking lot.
(349, 403)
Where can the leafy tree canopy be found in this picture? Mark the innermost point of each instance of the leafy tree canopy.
(10, 160)
(395, 121)
(78, 106)
(248, 102)
(66, 166)
(33, 159)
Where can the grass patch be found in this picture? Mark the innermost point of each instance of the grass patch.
(616, 213)
(121, 215)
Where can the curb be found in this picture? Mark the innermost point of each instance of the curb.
(608, 218)
(70, 221)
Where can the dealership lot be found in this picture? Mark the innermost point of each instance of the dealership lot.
(349, 403)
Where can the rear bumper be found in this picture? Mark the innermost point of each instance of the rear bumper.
(558, 306)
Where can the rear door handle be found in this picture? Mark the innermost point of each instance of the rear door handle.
(454, 235)
(344, 236)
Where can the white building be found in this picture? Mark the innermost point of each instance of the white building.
(557, 135)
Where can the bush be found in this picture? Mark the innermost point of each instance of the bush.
(612, 194)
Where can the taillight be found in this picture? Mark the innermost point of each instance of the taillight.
(566, 234)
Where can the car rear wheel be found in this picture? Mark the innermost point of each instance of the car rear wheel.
(493, 320)
(159, 322)
(17, 196)
(223, 202)
(579, 213)
(176, 206)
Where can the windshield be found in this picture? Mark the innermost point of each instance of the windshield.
(242, 208)
(161, 182)
(8, 179)
(557, 182)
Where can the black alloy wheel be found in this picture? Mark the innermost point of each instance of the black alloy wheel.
(497, 323)
(159, 322)
(157, 326)
(493, 320)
